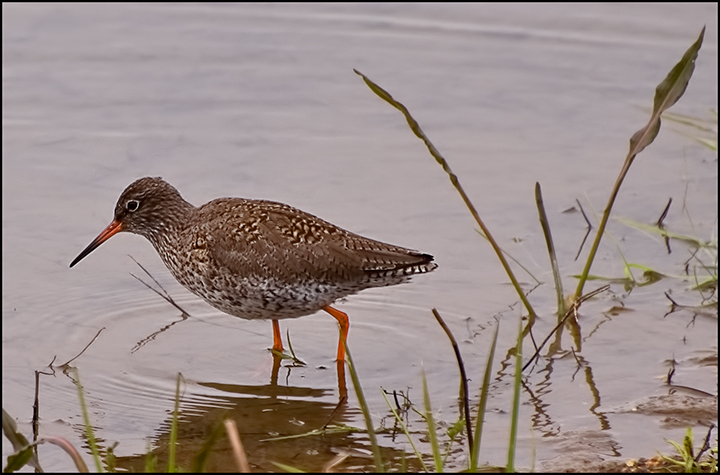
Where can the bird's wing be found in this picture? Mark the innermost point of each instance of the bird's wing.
(273, 240)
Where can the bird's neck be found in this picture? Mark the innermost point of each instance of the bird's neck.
(171, 225)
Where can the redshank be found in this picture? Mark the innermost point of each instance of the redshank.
(257, 259)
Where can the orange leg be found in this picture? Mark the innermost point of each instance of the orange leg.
(344, 323)
(277, 338)
(277, 359)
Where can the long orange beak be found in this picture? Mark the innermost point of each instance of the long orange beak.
(114, 228)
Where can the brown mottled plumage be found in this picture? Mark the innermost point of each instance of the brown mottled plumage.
(258, 259)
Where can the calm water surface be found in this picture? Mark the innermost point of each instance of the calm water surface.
(260, 101)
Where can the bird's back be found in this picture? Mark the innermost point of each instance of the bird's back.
(262, 259)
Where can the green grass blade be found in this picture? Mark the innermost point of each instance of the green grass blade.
(151, 459)
(89, 433)
(545, 224)
(379, 466)
(475, 452)
(200, 460)
(432, 431)
(19, 459)
(171, 468)
(287, 468)
(19, 443)
(653, 229)
(516, 401)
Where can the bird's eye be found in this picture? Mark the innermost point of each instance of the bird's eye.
(132, 205)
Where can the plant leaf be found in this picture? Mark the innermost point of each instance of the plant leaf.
(668, 92)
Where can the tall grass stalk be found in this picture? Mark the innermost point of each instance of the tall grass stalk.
(432, 431)
(484, 391)
(545, 224)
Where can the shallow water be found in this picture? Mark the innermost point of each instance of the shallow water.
(260, 101)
